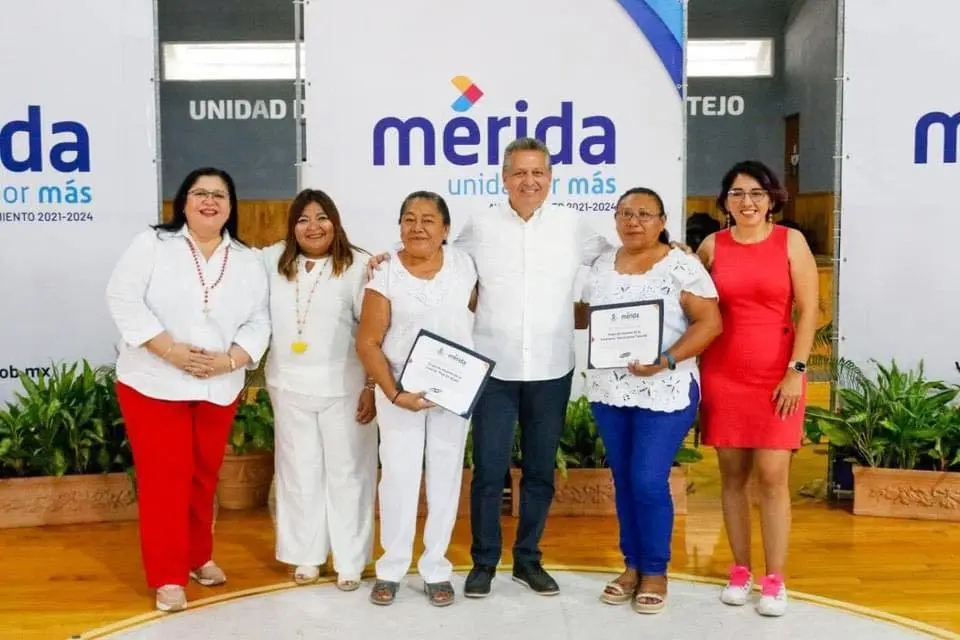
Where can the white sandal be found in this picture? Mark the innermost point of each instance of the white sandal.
(306, 574)
(660, 601)
(616, 593)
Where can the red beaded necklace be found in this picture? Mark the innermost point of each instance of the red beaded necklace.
(203, 281)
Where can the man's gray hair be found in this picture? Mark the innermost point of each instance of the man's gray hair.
(525, 144)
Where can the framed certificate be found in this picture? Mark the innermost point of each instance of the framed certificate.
(624, 333)
(452, 376)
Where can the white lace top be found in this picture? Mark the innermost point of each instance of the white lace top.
(439, 305)
(668, 390)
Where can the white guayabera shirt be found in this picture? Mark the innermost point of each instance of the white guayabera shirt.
(527, 273)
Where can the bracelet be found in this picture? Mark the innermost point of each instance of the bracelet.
(369, 386)
(395, 396)
(233, 363)
(167, 352)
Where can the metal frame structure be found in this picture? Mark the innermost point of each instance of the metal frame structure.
(299, 83)
(833, 488)
(157, 80)
(683, 110)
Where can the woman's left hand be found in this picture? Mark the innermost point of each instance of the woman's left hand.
(210, 364)
(366, 407)
(646, 370)
(788, 393)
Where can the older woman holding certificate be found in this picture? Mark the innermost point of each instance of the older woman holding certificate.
(645, 404)
(426, 286)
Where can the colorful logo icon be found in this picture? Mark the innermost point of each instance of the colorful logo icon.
(469, 94)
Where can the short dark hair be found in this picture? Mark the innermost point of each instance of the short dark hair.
(180, 202)
(762, 174)
(435, 198)
(664, 236)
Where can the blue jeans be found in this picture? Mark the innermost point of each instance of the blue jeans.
(540, 407)
(641, 445)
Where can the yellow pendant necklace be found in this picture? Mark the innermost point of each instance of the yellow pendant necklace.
(299, 346)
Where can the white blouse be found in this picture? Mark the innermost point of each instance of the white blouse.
(155, 287)
(329, 367)
(439, 305)
(675, 273)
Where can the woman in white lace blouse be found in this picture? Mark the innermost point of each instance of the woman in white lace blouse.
(643, 412)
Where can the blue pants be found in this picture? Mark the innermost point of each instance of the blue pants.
(540, 407)
(641, 445)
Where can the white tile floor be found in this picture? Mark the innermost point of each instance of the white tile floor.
(320, 612)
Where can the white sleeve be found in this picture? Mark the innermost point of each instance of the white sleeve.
(127, 290)
(466, 240)
(356, 280)
(593, 244)
(381, 278)
(253, 336)
(693, 277)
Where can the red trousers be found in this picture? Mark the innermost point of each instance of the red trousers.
(178, 448)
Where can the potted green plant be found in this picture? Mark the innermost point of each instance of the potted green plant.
(64, 453)
(901, 432)
(247, 470)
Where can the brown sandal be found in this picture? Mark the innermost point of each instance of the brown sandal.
(440, 594)
(384, 592)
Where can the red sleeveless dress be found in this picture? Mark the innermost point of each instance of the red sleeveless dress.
(741, 368)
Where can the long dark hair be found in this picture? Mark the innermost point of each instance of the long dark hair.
(435, 198)
(180, 202)
(340, 248)
(664, 237)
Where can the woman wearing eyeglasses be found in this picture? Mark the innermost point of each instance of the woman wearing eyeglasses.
(190, 302)
(644, 411)
(754, 382)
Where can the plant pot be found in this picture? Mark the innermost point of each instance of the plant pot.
(590, 492)
(463, 507)
(245, 480)
(906, 493)
(79, 499)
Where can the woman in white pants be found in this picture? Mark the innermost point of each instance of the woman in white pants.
(326, 450)
(424, 286)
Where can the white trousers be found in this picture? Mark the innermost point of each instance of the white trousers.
(326, 474)
(409, 439)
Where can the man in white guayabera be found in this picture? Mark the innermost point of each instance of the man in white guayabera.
(528, 253)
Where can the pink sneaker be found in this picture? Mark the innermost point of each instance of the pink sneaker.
(739, 585)
(773, 596)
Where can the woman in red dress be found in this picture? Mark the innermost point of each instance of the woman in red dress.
(753, 375)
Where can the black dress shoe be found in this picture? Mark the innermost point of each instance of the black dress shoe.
(478, 581)
(533, 576)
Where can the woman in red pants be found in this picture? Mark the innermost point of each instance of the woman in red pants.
(753, 375)
(190, 302)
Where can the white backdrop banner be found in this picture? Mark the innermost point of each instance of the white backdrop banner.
(78, 173)
(900, 274)
(426, 94)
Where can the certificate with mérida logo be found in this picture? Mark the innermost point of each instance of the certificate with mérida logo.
(623, 333)
(451, 375)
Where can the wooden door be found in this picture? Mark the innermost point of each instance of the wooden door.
(791, 168)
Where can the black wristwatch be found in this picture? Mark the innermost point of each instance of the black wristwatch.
(671, 361)
(799, 366)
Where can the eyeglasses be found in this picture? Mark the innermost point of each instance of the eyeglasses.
(755, 194)
(636, 216)
(203, 194)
